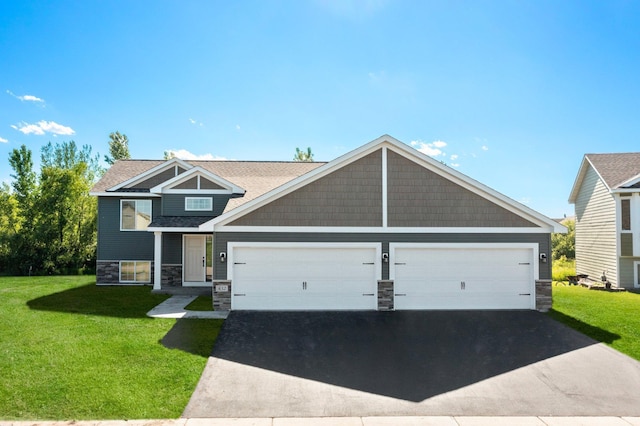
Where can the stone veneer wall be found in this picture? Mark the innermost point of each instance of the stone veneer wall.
(543, 295)
(171, 275)
(385, 295)
(108, 272)
(221, 299)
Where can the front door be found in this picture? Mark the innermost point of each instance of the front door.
(197, 263)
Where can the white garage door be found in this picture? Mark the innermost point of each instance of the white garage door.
(303, 276)
(464, 276)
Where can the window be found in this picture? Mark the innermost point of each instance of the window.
(625, 207)
(198, 204)
(135, 215)
(135, 271)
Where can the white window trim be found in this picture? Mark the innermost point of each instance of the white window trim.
(136, 202)
(135, 264)
(635, 274)
(186, 204)
(634, 219)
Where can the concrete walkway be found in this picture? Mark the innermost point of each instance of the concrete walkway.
(174, 307)
(353, 421)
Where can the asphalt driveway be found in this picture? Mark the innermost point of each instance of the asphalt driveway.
(464, 363)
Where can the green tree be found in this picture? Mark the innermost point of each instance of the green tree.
(48, 222)
(118, 148)
(303, 155)
(565, 244)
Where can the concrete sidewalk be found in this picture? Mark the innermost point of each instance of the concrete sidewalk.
(174, 307)
(352, 421)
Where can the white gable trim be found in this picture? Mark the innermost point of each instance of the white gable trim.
(400, 148)
(582, 172)
(167, 187)
(152, 172)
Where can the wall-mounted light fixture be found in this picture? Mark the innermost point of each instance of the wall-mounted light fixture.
(543, 257)
(385, 257)
(223, 257)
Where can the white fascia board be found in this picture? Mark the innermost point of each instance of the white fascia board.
(411, 154)
(124, 194)
(580, 177)
(375, 230)
(168, 229)
(480, 189)
(625, 190)
(634, 180)
(152, 171)
(298, 182)
(164, 187)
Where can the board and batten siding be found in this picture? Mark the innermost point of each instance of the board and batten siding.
(596, 250)
(114, 244)
(220, 240)
(173, 204)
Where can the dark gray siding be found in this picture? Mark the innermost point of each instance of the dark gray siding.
(114, 244)
(220, 241)
(350, 196)
(172, 248)
(418, 197)
(173, 205)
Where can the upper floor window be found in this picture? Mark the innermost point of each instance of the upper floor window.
(625, 214)
(135, 215)
(198, 204)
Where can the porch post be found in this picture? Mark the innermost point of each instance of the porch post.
(157, 260)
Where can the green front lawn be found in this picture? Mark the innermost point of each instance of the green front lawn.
(609, 317)
(72, 350)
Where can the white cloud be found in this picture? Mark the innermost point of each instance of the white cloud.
(454, 165)
(192, 121)
(432, 149)
(237, 127)
(525, 200)
(485, 148)
(183, 154)
(43, 127)
(454, 157)
(28, 98)
(3, 140)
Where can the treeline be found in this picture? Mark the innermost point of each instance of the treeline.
(48, 219)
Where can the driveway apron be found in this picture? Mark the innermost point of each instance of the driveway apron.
(412, 363)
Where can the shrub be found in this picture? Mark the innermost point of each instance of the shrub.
(561, 268)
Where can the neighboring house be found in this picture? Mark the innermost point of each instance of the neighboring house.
(606, 195)
(382, 227)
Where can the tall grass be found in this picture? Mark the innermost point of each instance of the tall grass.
(561, 268)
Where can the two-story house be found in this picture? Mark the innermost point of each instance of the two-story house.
(381, 227)
(606, 195)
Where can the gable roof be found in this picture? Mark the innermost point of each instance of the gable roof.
(616, 170)
(255, 177)
(388, 142)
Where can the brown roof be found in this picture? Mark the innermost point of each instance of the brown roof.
(616, 169)
(256, 177)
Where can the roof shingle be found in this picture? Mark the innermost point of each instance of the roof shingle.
(616, 169)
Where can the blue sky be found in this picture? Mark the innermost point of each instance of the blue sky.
(510, 93)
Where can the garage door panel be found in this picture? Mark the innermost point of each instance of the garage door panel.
(481, 277)
(303, 278)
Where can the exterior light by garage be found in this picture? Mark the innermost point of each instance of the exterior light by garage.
(223, 257)
(385, 257)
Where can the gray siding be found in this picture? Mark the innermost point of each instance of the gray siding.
(158, 179)
(173, 205)
(418, 197)
(114, 244)
(220, 241)
(172, 249)
(350, 196)
(596, 229)
(189, 184)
